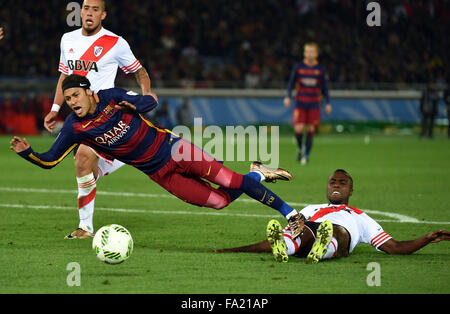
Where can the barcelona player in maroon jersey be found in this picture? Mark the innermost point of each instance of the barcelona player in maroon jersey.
(309, 79)
(105, 122)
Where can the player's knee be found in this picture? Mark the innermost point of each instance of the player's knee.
(298, 128)
(85, 160)
(228, 178)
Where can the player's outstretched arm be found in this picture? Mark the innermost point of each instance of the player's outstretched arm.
(63, 145)
(260, 247)
(407, 247)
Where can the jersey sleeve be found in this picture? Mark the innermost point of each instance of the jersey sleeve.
(63, 145)
(374, 233)
(125, 57)
(63, 66)
(291, 82)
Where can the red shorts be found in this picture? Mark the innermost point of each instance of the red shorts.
(306, 116)
(185, 175)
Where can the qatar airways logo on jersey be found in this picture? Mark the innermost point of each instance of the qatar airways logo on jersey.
(113, 135)
(82, 65)
(308, 81)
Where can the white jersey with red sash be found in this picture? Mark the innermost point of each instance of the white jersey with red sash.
(97, 57)
(361, 227)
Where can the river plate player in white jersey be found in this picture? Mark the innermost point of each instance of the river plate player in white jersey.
(334, 229)
(96, 53)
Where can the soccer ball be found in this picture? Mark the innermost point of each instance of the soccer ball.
(112, 244)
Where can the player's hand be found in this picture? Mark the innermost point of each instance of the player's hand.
(19, 145)
(328, 109)
(50, 121)
(440, 235)
(126, 106)
(1, 33)
(287, 102)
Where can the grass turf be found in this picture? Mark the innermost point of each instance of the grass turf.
(174, 240)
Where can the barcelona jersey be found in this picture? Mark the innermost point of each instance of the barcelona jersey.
(113, 133)
(310, 84)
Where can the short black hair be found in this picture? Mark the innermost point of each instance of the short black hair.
(347, 174)
(75, 80)
(104, 4)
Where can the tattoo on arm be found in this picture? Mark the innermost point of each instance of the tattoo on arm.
(143, 80)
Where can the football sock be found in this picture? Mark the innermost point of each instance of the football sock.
(258, 175)
(235, 193)
(86, 197)
(299, 137)
(331, 250)
(106, 167)
(309, 141)
(252, 186)
(259, 192)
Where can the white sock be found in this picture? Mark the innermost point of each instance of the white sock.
(332, 249)
(106, 167)
(291, 214)
(86, 198)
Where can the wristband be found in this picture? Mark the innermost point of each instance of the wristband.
(56, 107)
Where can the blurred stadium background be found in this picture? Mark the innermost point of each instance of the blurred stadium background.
(232, 59)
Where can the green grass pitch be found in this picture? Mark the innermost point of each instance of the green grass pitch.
(401, 181)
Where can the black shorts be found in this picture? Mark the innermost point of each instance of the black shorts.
(313, 226)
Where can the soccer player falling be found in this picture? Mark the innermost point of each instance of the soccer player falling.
(310, 81)
(96, 53)
(112, 122)
(334, 229)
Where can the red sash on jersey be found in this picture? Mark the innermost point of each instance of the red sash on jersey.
(105, 42)
(325, 211)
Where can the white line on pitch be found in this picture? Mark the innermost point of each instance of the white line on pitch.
(397, 217)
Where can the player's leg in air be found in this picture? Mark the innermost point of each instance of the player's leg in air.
(186, 173)
(89, 168)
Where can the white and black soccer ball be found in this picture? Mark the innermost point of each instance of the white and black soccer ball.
(112, 244)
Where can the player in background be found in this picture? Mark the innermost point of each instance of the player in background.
(174, 163)
(310, 81)
(334, 230)
(96, 53)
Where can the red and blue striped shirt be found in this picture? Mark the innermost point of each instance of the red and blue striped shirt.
(113, 133)
(310, 83)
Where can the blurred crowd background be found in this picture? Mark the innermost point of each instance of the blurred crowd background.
(240, 44)
(222, 43)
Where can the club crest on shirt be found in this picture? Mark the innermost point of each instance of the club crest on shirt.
(98, 51)
(110, 110)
